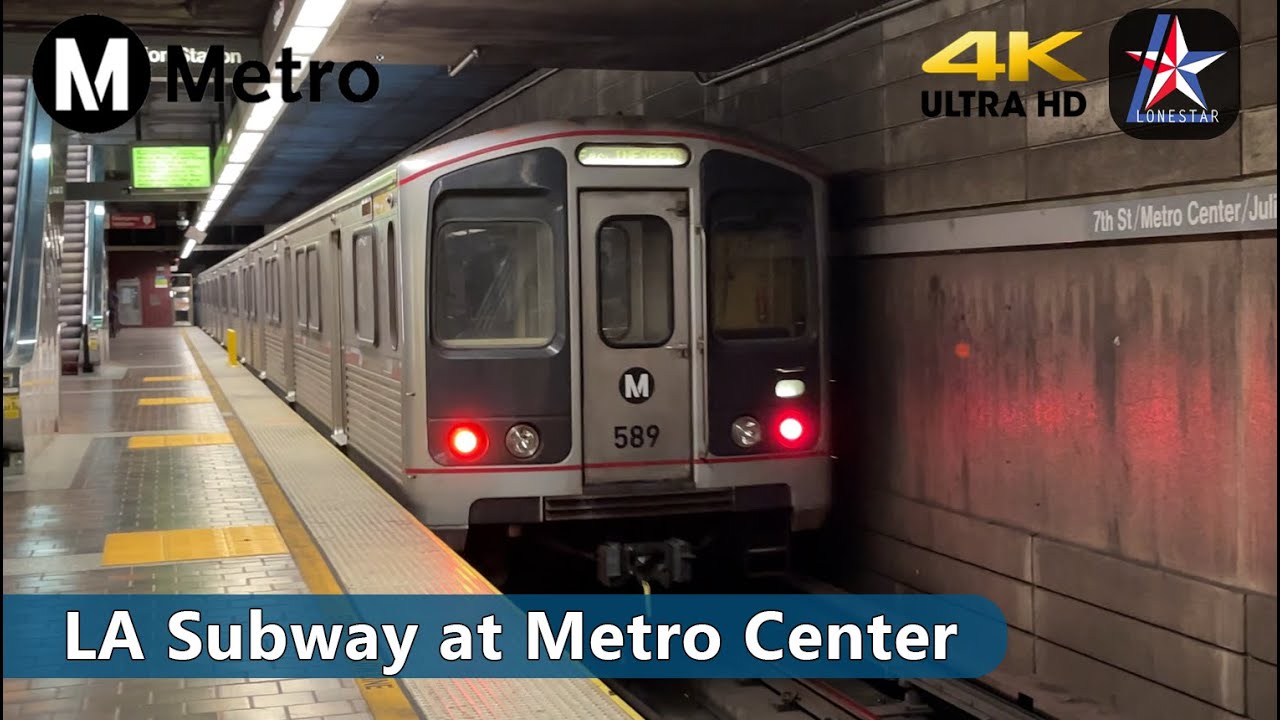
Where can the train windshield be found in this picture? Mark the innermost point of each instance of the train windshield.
(494, 284)
(758, 247)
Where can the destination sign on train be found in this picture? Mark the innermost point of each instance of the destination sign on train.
(634, 155)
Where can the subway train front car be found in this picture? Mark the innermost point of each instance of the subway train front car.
(613, 342)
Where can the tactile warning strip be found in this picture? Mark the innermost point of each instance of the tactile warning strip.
(156, 546)
(377, 547)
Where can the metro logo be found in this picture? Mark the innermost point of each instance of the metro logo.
(92, 74)
(71, 73)
(1022, 55)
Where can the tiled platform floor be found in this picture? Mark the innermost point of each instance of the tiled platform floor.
(91, 483)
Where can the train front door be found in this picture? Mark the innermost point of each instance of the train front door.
(636, 367)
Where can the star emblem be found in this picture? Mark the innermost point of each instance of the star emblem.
(1176, 68)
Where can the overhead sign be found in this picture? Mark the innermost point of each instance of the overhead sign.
(634, 155)
(1212, 209)
(1222, 211)
(171, 167)
(131, 221)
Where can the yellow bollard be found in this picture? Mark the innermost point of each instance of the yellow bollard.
(233, 359)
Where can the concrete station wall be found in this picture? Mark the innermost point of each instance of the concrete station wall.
(1085, 434)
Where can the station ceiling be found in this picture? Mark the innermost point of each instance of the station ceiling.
(316, 149)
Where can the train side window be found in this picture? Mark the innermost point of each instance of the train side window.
(313, 289)
(393, 288)
(300, 288)
(635, 281)
(364, 279)
(275, 279)
(494, 284)
(759, 268)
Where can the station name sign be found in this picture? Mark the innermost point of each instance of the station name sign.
(1222, 211)
(192, 55)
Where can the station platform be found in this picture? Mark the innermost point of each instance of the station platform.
(174, 472)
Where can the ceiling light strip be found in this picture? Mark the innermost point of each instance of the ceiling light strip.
(307, 33)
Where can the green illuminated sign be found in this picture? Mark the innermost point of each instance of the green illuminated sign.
(163, 168)
(634, 155)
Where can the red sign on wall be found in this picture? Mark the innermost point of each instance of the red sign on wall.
(131, 221)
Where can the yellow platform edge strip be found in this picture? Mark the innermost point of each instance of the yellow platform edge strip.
(385, 697)
(146, 442)
(170, 378)
(376, 690)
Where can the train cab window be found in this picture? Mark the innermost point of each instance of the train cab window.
(759, 268)
(635, 283)
(363, 279)
(494, 284)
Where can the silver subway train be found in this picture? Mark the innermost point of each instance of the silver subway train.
(609, 329)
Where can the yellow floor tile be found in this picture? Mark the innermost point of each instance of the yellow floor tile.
(143, 442)
(170, 378)
(182, 400)
(161, 546)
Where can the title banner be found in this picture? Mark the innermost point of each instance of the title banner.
(488, 636)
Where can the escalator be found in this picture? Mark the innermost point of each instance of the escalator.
(15, 104)
(75, 221)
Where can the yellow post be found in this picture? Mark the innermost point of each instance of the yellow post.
(233, 359)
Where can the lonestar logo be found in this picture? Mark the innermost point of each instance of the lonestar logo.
(1176, 69)
(1175, 75)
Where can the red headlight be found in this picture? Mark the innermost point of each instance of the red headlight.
(466, 441)
(792, 430)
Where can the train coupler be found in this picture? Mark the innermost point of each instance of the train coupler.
(663, 563)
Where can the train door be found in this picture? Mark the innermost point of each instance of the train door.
(636, 367)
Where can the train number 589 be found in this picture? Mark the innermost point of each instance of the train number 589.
(635, 436)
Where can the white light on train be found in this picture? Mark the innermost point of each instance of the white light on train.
(230, 173)
(633, 155)
(523, 441)
(40, 151)
(746, 432)
(789, 388)
(99, 210)
(319, 13)
(305, 40)
(245, 146)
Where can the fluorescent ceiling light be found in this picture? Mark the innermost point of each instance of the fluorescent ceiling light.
(245, 146)
(230, 173)
(99, 209)
(186, 250)
(40, 151)
(319, 13)
(305, 40)
(263, 114)
(219, 192)
(211, 207)
(202, 225)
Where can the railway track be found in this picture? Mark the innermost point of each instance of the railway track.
(799, 699)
